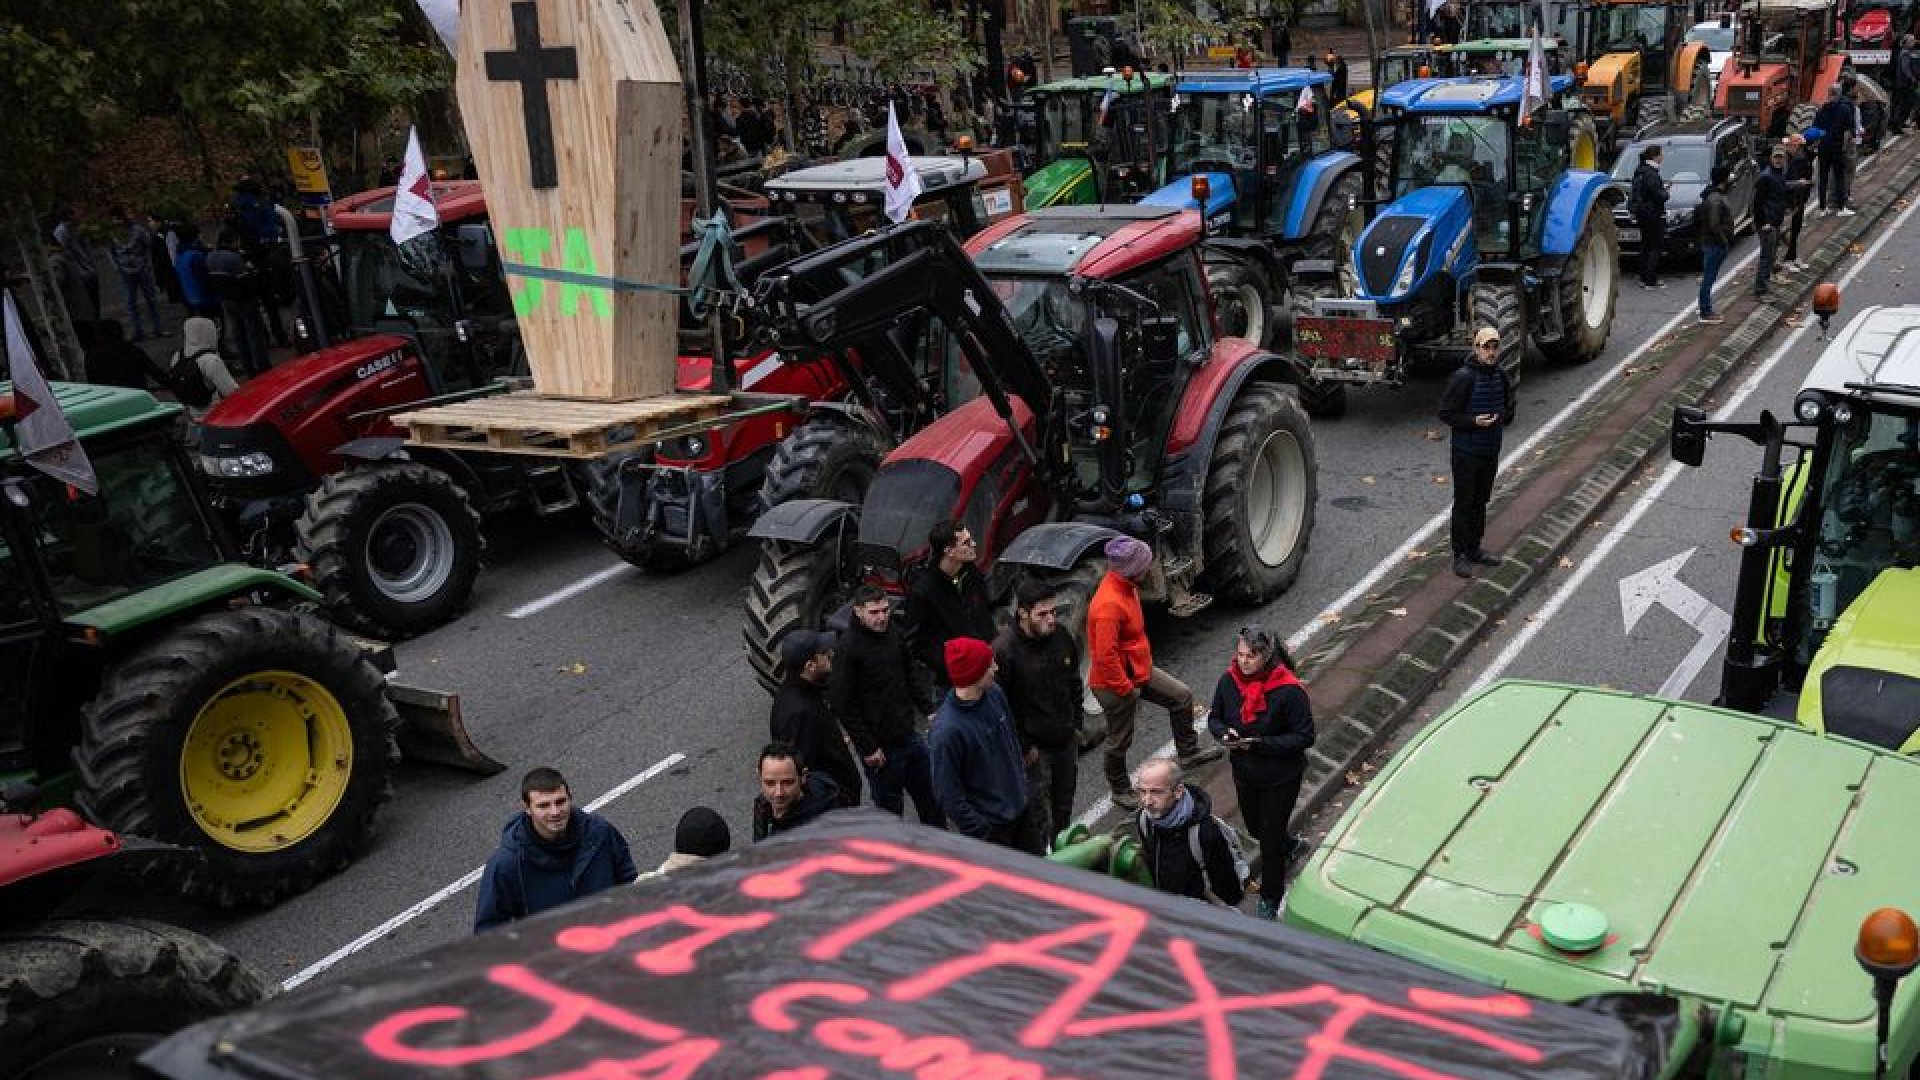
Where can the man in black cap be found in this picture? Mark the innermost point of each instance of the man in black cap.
(701, 835)
(800, 715)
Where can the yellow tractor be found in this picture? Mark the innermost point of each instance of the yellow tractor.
(1640, 69)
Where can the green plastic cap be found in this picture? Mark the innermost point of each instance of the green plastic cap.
(1574, 928)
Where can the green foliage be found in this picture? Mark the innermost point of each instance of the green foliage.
(896, 37)
(259, 68)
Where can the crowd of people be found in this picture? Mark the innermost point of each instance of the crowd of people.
(981, 730)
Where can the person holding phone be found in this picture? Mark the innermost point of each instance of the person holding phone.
(1476, 405)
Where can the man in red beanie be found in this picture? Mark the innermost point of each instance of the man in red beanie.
(979, 774)
(1122, 671)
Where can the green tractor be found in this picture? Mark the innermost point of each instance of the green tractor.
(1826, 614)
(1102, 139)
(175, 693)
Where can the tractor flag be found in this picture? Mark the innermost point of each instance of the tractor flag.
(1106, 99)
(1533, 91)
(903, 180)
(413, 209)
(40, 429)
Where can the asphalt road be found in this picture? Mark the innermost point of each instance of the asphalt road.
(636, 685)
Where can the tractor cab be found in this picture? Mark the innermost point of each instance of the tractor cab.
(1784, 61)
(1101, 138)
(1827, 609)
(1641, 68)
(1244, 140)
(843, 199)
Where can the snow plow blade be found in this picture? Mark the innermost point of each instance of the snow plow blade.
(432, 729)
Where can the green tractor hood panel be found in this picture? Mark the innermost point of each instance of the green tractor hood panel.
(197, 589)
(1062, 182)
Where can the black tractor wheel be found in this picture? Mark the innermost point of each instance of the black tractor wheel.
(1589, 285)
(1699, 103)
(260, 739)
(795, 586)
(1242, 300)
(1798, 120)
(601, 481)
(394, 547)
(1338, 222)
(824, 458)
(81, 998)
(873, 143)
(1261, 489)
(1652, 109)
(1324, 399)
(1503, 307)
(1382, 163)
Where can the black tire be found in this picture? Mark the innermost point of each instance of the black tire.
(1338, 222)
(394, 547)
(1503, 307)
(872, 142)
(1261, 489)
(81, 998)
(1382, 164)
(1800, 119)
(290, 726)
(1589, 286)
(601, 481)
(1242, 300)
(1699, 103)
(823, 458)
(795, 586)
(1323, 399)
(1652, 109)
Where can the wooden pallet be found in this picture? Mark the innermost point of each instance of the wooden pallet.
(527, 423)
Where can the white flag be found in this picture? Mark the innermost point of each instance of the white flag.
(1533, 90)
(903, 180)
(445, 17)
(40, 429)
(414, 211)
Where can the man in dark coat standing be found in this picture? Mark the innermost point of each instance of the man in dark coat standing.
(800, 715)
(1836, 121)
(1174, 823)
(551, 853)
(947, 598)
(1476, 404)
(1770, 198)
(977, 766)
(1040, 674)
(880, 695)
(1647, 201)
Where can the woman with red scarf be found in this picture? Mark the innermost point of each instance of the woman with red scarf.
(1262, 716)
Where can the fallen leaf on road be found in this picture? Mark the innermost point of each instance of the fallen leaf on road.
(1353, 778)
(1431, 435)
(1367, 480)
(1398, 613)
(1855, 249)
(575, 668)
(1441, 480)
(1414, 556)
(1329, 616)
(1566, 563)
(1532, 618)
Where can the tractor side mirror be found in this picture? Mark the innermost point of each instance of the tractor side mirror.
(1557, 124)
(1160, 339)
(1687, 442)
(476, 247)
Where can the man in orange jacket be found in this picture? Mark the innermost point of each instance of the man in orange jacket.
(1122, 670)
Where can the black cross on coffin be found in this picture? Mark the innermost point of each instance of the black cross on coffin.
(532, 66)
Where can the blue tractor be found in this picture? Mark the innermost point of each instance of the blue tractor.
(1258, 153)
(1488, 225)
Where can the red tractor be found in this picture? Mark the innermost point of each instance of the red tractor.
(1782, 65)
(1089, 396)
(308, 466)
(84, 994)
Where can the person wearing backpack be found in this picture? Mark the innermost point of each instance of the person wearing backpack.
(197, 375)
(1262, 715)
(1186, 849)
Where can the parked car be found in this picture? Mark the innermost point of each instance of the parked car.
(1690, 149)
(1719, 36)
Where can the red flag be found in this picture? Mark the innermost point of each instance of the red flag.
(40, 429)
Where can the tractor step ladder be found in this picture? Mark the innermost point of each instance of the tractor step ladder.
(551, 489)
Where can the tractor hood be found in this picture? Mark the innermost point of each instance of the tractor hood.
(1731, 857)
(1061, 182)
(1415, 237)
(1864, 682)
(1179, 195)
(290, 395)
(933, 476)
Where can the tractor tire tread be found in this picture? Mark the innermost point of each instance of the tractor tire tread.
(1503, 307)
(325, 535)
(1230, 562)
(785, 584)
(811, 461)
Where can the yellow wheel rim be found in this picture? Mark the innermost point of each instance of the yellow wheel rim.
(266, 761)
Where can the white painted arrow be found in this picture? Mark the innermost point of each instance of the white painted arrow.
(1660, 585)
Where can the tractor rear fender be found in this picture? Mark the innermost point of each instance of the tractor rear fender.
(1247, 250)
(1179, 195)
(803, 521)
(372, 448)
(1055, 545)
(1570, 202)
(375, 449)
(160, 606)
(1310, 189)
(855, 414)
(1831, 67)
(1688, 58)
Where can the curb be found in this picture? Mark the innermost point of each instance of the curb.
(1393, 693)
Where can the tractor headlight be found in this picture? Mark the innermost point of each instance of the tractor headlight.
(1842, 414)
(249, 464)
(1808, 410)
(1405, 281)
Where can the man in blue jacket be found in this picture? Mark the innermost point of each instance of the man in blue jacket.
(551, 853)
(979, 773)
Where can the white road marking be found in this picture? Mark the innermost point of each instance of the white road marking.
(593, 580)
(464, 882)
(1624, 527)
(1659, 585)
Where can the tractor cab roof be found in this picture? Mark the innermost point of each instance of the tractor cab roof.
(1101, 241)
(1483, 46)
(868, 176)
(92, 410)
(1099, 84)
(1260, 82)
(1784, 8)
(372, 211)
(1878, 347)
(1465, 94)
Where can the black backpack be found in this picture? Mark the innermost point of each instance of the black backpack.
(184, 379)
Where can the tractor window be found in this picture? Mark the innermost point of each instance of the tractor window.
(1211, 133)
(1626, 27)
(1152, 388)
(1469, 151)
(142, 529)
(1870, 516)
(1051, 320)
